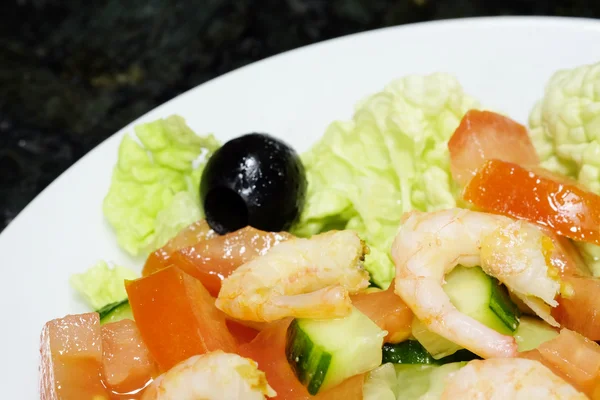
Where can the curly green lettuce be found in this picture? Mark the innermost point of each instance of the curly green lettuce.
(154, 188)
(102, 285)
(392, 157)
(565, 129)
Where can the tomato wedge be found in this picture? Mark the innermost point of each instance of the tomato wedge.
(580, 311)
(537, 196)
(214, 259)
(128, 365)
(177, 317)
(483, 135)
(71, 364)
(188, 236)
(573, 357)
(268, 350)
(388, 311)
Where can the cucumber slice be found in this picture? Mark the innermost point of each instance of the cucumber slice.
(416, 382)
(323, 353)
(477, 295)
(413, 352)
(381, 383)
(114, 312)
(532, 332)
(481, 297)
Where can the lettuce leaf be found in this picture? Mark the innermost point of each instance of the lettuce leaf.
(391, 158)
(102, 285)
(154, 189)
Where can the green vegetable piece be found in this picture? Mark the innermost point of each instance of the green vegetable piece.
(114, 312)
(413, 352)
(154, 188)
(102, 285)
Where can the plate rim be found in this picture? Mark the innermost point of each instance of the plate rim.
(449, 23)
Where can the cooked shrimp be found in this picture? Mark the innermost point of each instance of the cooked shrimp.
(429, 245)
(507, 378)
(303, 278)
(211, 376)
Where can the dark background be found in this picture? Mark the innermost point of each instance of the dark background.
(73, 72)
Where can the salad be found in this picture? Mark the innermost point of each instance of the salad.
(425, 249)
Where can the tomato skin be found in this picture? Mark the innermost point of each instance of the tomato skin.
(574, 358)
(177, 317)
(128, 365)
(483, 135)
(388, 311)
(190, 235)
(212, 258)
(536, 196)
(71, 358)
(580, 311)
(268, 350)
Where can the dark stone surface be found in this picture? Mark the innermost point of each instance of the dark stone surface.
(73, 72)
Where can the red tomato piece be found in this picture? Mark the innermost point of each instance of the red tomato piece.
(537, 196)
(242, 333)
(268, 350)
(188, 236)
(573, 357)
(128, 365)
(71, 352)
(484, 135)
(388, 311)
(214, 259)
(177, 317)
(580, 311)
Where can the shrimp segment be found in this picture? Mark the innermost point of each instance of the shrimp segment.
(302, 278)
(211, 376)
(430, 245)
(507, 378)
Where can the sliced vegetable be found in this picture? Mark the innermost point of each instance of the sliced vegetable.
(214, 259)
(255, 179)
(71, 358)
(323, 353)
(477, 295)
(579, 307)
(536, 196)
(532, 332)
(268, 350)
(573, 357)
(177, 317)
(417, 382)
(114, 312)
(350, 389)
(188, 236)
(481, 297)
(153, 193)
(102, 284)
(127, 363)
(483, 135)
(388, 311)
(242, 334)
(413, 352)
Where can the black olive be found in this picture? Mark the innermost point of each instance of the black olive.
(254, 180)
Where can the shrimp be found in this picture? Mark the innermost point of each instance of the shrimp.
(212, 376)
(507, 378)
(302, 278)
(429, 245)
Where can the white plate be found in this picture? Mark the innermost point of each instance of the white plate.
(502, 61)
